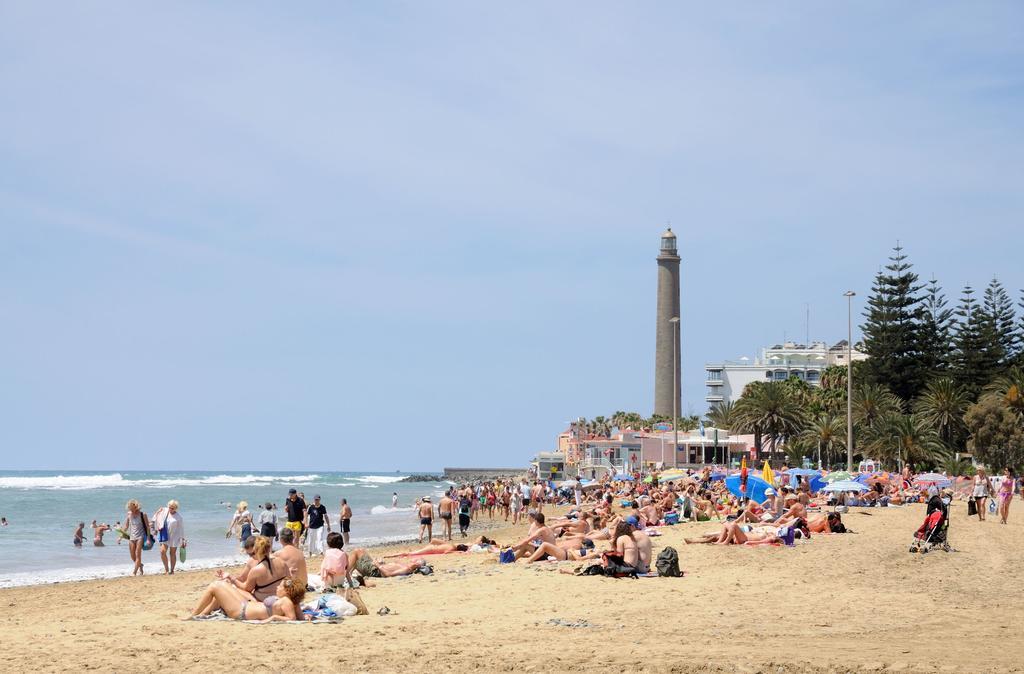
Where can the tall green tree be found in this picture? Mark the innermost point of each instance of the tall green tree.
(723, 415)
(891, 329)
(976, 349)
(826, 434)
(936, 332)
(1002, 320)
(909, 439)
(997, 434)
(872, 404)
(831, 392)
(942, 406)
(1008, 389)
(770, 411)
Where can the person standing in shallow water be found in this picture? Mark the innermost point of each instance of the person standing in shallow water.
(79, 535)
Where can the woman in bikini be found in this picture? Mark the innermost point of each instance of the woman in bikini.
(242, 606)
(265, 575)
(1006, 494)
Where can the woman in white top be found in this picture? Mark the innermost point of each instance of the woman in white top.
(982, 489)
(242, 520)
(170, 528)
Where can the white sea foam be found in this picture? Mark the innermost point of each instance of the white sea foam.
(64, 482)
(370, 486)
(385, 510)
(117, 480)
(101, 572)
(381, 479)
(339, 484)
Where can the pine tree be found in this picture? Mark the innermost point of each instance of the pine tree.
(936, 332)
(976, 350)
(891, 329)
(999, 311)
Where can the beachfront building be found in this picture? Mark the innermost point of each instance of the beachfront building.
(549, 465)
(644, 451)
(726, 379)
(715, 446)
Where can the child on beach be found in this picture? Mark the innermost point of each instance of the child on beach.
(335, 567)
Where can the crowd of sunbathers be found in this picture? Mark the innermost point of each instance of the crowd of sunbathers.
(612, 524)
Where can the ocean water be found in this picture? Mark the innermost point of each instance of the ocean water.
(44, 507)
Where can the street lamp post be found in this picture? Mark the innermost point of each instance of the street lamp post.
(675, 389)
(849, 295)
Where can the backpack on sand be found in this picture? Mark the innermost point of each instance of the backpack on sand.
(667, 563)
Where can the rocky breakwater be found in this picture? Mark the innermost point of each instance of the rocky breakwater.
(423, 478)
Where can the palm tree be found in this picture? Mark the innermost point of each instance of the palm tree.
(872, 403)
(942, 406)
(769, 410)
(827, 433)
(1009, 388)
(723, 415)
(907, 438)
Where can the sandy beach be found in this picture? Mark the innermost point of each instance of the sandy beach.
(856, 602)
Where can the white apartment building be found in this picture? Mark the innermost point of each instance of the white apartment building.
(726, 379)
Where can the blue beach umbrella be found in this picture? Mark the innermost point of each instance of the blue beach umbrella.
(818, 483)
(755, 487)
(717, 476)
(624, 476)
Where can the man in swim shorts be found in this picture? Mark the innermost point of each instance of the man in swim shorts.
(363, 563)
(346, 519)
(426, 514)
(296, 510)
(444, 510)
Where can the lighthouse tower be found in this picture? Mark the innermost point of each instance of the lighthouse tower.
(666, 387)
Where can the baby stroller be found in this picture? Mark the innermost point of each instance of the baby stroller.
(933, 533)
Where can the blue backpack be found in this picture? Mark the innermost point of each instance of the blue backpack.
(507, 556)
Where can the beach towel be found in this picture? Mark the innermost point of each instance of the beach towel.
(219, 615)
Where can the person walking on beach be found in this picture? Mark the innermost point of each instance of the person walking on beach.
(170, 529)
(537, 496)
(426, 515)
(97, 533)
(444, 510)
(243, 520)
(982, 490)
(79, 535)
(515, 504)
(316, 522)
(346, 519)
(137, 525)
(465, 514)
(295, 509)
(1006, 494)
(394, 499)
(268, 522)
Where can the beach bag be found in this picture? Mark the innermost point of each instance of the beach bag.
(507, 556)
(353, 598)
(671, 518)
(667, 563)
(147, 537)
(992, 506)
(615, 567)
(972, 508)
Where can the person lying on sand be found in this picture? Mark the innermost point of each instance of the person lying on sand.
(737, 534)
(241, 605)
(439, 546)
(360, 560)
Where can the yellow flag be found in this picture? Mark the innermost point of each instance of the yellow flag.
(766, 473)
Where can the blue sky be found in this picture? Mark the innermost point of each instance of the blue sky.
(406, 235)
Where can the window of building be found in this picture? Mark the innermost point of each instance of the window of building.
(714, 375)
(813, 376)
